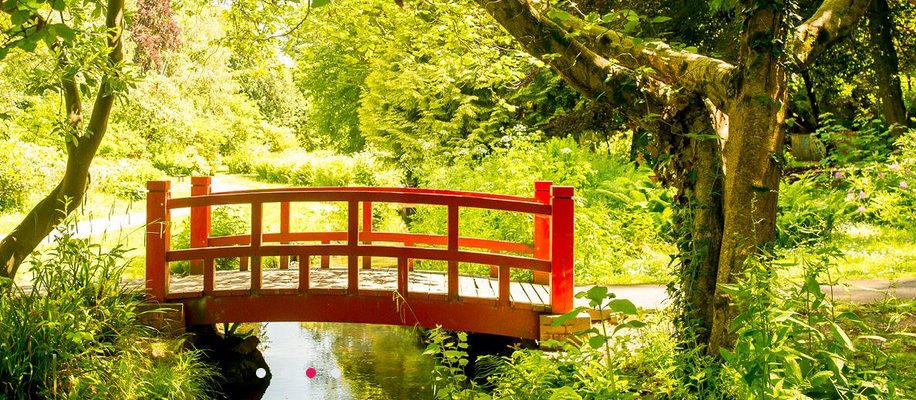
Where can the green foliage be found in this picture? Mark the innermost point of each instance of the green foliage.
(224, 221)
(791, 341)
(449, 379)
(807, 213)
(324, 168)
(25, 170)
(620, 213)
(866, 141)
(125, 178)
(75, 334)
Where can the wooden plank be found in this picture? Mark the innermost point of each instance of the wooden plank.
(532, 294)
(367, 228)
(453, 248)
(226, 293)
(279, 291)
(484, 288)
(466, 287)
(185, 295)
(543, 293)
(518, 297)
(403, 274)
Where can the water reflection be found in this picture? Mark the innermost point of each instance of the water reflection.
(376, 361)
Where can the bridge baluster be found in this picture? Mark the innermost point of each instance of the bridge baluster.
(209, 272)
(352, 243)
(504, 286)
(257, 211)
(367, 229)
(304, 272)
(561, 249)
(453, 249)
(284, 229)
(158, 232)
(403, 276)
(542, 230)
(200, 221)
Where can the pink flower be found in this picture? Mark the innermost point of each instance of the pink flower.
(881, 175)
(895, 167)
(861, 195)
(838, 175)
(902, 185)
(861, 209)
(851, 191)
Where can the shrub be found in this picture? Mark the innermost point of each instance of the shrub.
(324, 168)
(76, 334)
(124, 178)
(26, 169)
(807, 213)
(182, 163)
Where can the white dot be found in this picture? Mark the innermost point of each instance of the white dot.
(335, 373)
(261, 372)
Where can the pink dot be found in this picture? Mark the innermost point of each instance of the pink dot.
(310, 372)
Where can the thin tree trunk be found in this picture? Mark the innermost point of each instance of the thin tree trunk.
(884, 56)
(68, 194)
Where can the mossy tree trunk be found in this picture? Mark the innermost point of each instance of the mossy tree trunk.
(723, 158)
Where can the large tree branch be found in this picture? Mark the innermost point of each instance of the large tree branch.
(586, 71)
(832, 21)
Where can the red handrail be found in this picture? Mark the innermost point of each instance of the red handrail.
(552, 261)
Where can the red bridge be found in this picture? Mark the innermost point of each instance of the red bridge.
(396, 294)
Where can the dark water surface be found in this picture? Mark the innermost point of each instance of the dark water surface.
(375, 361)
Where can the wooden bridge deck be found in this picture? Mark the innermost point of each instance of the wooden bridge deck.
(334, 280)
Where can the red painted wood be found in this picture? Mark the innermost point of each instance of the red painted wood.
(200, 221)
(403, 276)
(367, 228)
(209, 271)
(325, 260)
(426, 253)
(284, 230)
(494, 269)
(305, 261)
(386, 190)
(407, 238)
(157, 239)
(243, 263)
(276, 196)
(561, 250)
(352, 247)
(257, 226)
(504, 286)
(453, 251)
(542, 230)
(471, 317)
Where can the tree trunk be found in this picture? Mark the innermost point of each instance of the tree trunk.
(752, 151)
(884, 56)
(68, 194)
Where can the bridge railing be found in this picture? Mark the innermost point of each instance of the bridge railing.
(551, 261)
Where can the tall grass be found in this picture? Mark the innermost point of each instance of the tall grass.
(75, 334)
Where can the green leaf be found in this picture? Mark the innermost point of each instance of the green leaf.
(566, 317)
(319, 3)
(840, 335)
(597, 341)
(622, 306)
(59, 5)
(658, 20)
(558, 14)
(3, 52)
(19, 17)
(63, 31)
(597, 294)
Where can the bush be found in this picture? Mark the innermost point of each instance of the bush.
(182, 163)
(807, 213)
(324, 168)
(76, 334)
(124, 178)
(224, 221)
(26, 169)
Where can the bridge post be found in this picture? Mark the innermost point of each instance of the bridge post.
(200, 221)
(562, 243)
(542, 230)
(367, 228)
(157, 239)
(284, 229)
(257, 227)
